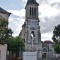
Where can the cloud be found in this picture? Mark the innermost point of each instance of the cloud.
(16, 20)
(54, 1)
(48, 27)
(49, 24)
(16, 25)
(48, 1)
(49, 15)
(46, 36)
(48, 11)
(20, 13)
(25, 1)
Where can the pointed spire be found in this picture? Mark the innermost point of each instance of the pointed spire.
(32, 2)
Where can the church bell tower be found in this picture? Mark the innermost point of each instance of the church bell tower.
(31, 28)
(32, 24)
(32, 9)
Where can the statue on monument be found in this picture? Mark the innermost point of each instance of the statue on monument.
(33, 38)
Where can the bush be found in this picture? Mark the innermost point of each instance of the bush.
(57, 48)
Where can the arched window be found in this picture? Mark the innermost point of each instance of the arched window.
(33, 33)
(44, 49)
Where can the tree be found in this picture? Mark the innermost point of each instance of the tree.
(15, 44)
(56, 34)
(20, 43)
(56, 38)
(57, 48)
(5, 33)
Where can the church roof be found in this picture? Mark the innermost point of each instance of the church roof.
(48, 42)
(4, 11)
(32, 2)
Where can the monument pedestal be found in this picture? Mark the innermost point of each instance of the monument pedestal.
(3, 50)
(29, 55)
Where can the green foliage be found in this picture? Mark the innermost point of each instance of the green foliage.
(15, 44)
(56, 38)
(5, 33)
(57, 48)
(56, 34)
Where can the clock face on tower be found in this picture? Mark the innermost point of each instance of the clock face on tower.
(33, 24)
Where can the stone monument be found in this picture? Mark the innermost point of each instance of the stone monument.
(30, 55)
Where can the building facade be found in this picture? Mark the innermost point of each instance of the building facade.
(31, 32)
(4, 14)
(3, 47)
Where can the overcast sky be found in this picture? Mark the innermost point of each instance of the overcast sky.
(49, 15)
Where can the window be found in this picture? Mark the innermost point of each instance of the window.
(44, 50)
(35, 12)
(30, 11)
(33, 33)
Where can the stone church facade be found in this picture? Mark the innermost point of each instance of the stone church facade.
(31, 26)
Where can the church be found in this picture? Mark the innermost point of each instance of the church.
(31, 34)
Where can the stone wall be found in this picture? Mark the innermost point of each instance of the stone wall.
(3, 51)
